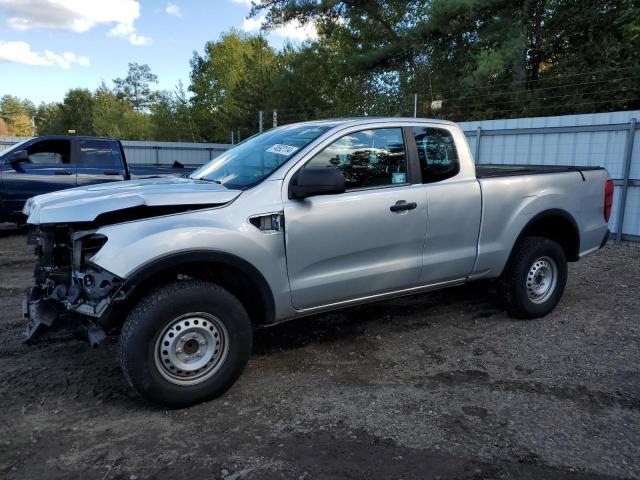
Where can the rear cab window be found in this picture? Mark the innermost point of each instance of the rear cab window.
(437, 153)
(97, 154)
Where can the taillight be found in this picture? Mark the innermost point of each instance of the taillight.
(608, 199)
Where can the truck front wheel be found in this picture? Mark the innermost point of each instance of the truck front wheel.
(185, 343)
(534, 279)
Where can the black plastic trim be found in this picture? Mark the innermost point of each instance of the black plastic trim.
(554, 212)
(173, 260)
(498, 170)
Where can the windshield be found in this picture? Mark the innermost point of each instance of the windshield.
(251, 161)
(13, 148)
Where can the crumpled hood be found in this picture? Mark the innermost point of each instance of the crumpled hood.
(84, 204)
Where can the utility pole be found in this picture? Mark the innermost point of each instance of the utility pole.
(415, 105)
(260, 119)
(275, 118)
(232, 136)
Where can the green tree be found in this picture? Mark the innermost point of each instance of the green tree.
(135, 88)
(108, 113)
(485, 59)
(16, 115)
(20, 125)
(76, 111)
(230, 82)
(48, 119)
(171, 117)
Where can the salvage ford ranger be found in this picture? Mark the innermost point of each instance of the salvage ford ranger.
(301, 219)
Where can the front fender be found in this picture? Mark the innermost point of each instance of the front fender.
(133, 246)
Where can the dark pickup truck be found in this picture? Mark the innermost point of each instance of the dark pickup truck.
(49, 163)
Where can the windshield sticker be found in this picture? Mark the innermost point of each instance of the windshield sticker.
(282, 149)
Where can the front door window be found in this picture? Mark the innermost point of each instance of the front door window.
(369, 158)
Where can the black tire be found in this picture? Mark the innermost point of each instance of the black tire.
(525, 274)
(141, 352)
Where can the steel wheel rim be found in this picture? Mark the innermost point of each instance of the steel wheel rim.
(191, 348)
(542, 278)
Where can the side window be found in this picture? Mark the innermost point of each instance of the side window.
(50, 152)
(370, 158)
(96, 154)
(437, 154)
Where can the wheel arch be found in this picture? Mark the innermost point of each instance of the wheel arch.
(557, 225)
(233, 273)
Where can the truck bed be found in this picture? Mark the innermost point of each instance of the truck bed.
(496, 170)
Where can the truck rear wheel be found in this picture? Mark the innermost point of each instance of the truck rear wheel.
(185, 343)
(534, 279)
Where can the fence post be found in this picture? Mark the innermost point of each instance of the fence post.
(478, 136)
(628, 154)
(275, 118)
(415, 105)
(260, 114)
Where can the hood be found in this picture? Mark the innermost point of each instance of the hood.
(85, 204)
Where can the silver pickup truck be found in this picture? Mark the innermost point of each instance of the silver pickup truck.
(301, 219)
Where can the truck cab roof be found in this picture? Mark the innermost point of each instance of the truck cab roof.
(73, 137)
(349, 121)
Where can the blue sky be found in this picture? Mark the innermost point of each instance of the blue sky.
(50, 46)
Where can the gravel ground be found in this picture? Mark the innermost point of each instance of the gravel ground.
(441, 385)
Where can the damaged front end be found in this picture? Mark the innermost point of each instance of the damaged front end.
(68, 291)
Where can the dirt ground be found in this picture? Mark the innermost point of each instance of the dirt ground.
(441, 385)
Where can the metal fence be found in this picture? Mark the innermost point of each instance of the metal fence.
(165, 153)
(156, 153)
(605, 139)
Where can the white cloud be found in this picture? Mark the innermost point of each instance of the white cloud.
(244, 2)
(75, 15)
(173, 9)
(129, 32)
(295, 31)
(292, 30)
(252, 24)
(20, 52)
(139, 40)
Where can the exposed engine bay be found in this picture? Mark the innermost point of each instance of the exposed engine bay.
(68, 289)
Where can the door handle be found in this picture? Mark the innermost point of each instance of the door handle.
(111, 172)
(62, 172)
(402, 205)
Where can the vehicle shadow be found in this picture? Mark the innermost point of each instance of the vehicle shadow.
(400, 314)
(9, 229)
(87, 376)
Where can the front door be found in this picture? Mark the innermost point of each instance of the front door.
(363, 242)
(49, 168)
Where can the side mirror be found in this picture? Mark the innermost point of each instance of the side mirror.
(316, 181)
(20, 156)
